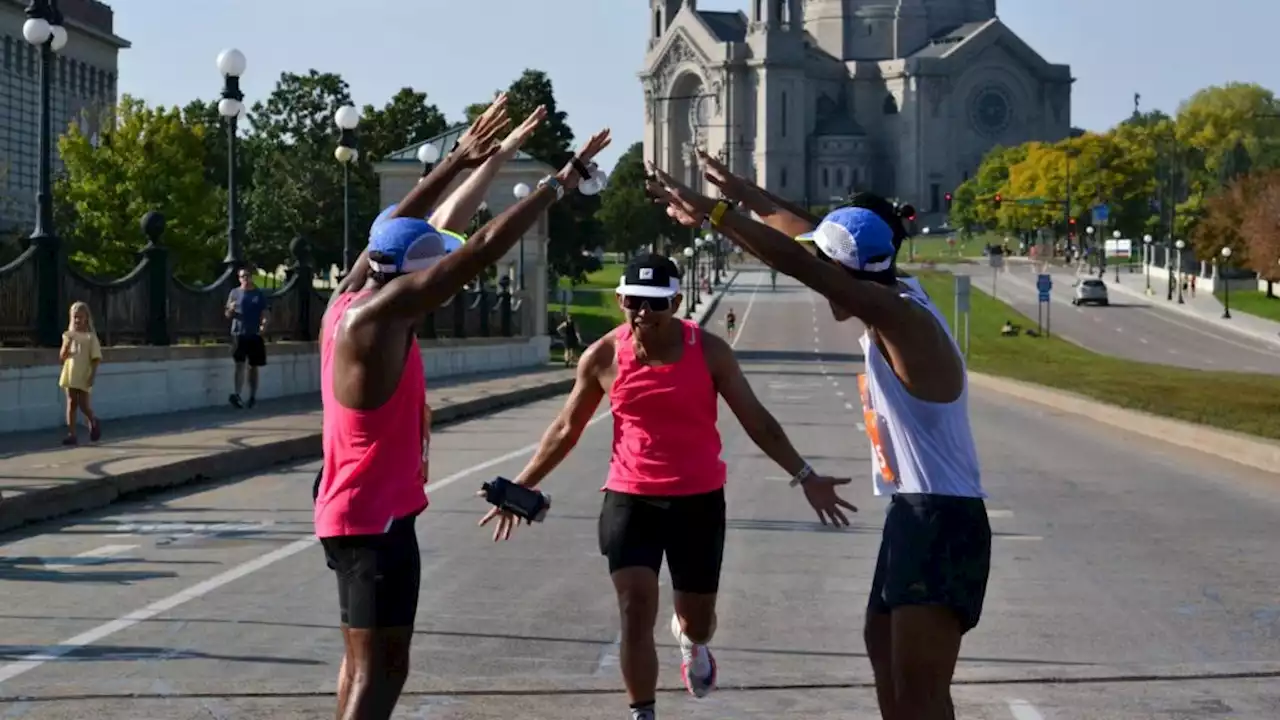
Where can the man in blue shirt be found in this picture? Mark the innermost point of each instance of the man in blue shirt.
(247, 308)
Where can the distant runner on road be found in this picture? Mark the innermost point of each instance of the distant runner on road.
(664, 495)
(731, 323)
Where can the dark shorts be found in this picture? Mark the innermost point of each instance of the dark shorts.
(249, 347)
(637, 530)
(378, 576)
(936, 550)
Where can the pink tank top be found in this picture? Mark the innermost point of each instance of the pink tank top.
(665, 440)
(372, 458)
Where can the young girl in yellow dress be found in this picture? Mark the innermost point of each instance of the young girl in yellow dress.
(81, 353)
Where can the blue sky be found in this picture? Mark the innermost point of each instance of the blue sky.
(460, 51)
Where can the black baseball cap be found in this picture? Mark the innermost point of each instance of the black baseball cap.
(651, 276)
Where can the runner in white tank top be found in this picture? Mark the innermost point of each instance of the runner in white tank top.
(931, 576)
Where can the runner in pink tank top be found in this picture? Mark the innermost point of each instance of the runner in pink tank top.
(370, 489)
(664, 496)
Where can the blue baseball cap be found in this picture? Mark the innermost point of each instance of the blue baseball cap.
(855, 237)
(415, 244)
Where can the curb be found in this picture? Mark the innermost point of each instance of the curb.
(84, 495)
(1254, 452)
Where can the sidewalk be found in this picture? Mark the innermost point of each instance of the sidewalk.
(153, 452)
(1204, 306)
(156, 452)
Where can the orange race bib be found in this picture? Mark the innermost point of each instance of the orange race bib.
(874, 425)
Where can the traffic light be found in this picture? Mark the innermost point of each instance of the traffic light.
(998, 198)
(947, 197)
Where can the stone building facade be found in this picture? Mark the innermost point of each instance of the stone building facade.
(818, 98)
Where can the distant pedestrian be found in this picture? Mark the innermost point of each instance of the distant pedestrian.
(247, 309)
(81, 354)
(1192, 281)
(572, 341)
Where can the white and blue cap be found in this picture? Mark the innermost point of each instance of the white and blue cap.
(855, 237)
(415, 244)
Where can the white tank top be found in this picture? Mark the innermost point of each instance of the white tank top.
(916, 446)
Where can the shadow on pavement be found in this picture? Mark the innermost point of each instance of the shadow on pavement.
(108, 653)
(119, 653)
(18, 573)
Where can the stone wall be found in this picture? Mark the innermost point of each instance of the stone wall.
(156, 380)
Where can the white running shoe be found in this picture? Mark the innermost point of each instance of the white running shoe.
(697, 665)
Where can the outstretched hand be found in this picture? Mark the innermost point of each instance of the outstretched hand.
(684, 205)
(480, 141)
(732, 185)
(521, 134)
(507, 521)
(569, 176)
(820, 491)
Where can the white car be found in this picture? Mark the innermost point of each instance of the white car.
(1090, 291)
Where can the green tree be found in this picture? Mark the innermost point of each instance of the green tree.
(151, 160)
(297, 183)
(628, 217)
(572, 227)
(405, 119)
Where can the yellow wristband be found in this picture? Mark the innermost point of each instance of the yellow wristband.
(717, 214)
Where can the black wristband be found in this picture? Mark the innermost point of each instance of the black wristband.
(580, 168)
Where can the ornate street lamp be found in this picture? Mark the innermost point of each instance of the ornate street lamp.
(231, 64)
(428, 155)
(1146, 258)
(347, 118)
(1179, 245)
(521, 191)
(1226, 285)
(44, 30)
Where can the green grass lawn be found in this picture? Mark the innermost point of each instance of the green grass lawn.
(1233, 401)
(606, 278)
(1255, 302)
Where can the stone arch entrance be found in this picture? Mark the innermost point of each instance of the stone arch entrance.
(686, 119)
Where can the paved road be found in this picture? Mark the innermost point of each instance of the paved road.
(1131, 327)
(1131, 580)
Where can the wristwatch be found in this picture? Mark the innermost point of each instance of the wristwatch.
(803, 476)
(552, 182)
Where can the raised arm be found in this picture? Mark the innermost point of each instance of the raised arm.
(479, 138)
(877, 305)
(768, 435)
(457, 210)
(409, 296)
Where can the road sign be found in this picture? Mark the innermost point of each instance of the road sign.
(1044, 282)
(1044, 296)
(1101, 213)
(1122, 248)
(962, 293)
(996, 260)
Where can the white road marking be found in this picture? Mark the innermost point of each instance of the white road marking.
(999, 513)
(839, 393)
(609, 657)
(90, 557)
(124, 622)
(1143, 341)
(746, 314)
(861, 427)
(1172, 351)
(848, 406)
(1119, 330)
(1031, 538)
(1023, 710)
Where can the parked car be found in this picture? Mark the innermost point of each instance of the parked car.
(1090, 291)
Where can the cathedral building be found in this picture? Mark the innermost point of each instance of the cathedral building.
(818, 98)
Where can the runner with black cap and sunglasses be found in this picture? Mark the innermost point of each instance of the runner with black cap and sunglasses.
(935, 555)
(665, 490)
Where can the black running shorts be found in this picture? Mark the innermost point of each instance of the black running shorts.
(251, 348)
(935, 550)
(637, 530)
(378, 576)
